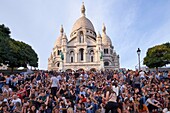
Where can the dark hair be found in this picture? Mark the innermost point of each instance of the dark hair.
(126, 100)
(140, 106)
(115, 84)
(108, 89)
(120, 106)
(151, 95)
(32, 96)
(82, 95)
(5, 106)
(26, 99)
(17, 104)
(43, 106)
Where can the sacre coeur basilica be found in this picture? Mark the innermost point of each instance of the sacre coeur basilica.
(85, 49)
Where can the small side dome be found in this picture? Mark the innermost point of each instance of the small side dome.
(105, 39)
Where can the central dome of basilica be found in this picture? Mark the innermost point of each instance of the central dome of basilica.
(83, 22)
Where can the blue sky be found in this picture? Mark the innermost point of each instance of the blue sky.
(129, 23)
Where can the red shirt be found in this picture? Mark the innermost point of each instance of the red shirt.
(21, 93)
(83, 100)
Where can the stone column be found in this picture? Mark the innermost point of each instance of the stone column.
(101, 64)
(85, 55)
(76, 55)
(96, 56)
(61, 67)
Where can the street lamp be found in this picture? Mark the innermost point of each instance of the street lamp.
(138, 52)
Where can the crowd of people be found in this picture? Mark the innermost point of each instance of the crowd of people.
(85, 92)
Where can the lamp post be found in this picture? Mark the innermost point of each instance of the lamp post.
(138, 52)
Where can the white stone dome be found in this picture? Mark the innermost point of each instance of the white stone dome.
(83, 22)
(106, 40)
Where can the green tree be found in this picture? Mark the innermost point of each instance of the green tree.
(158, 56)
(15, 53)
(4, 31)
(4, 42)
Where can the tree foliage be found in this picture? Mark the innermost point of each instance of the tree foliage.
(158, 56)
(15, 53)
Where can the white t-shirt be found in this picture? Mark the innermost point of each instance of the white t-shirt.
(17, 100)
(86, 76)
(54, 81)
(116, 89)
(148, 101)
(7, 90)
(142, 74)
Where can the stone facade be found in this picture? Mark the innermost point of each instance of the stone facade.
(85, 50)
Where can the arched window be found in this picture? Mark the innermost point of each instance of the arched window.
(91, 58)
(105, 51)
(58, 64)
(71, 56)
(71, 59)
(59, 52)
(106, 63)
(81, 54)
(81, 38)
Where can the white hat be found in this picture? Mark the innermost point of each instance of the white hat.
(165, 110)
(5, 100)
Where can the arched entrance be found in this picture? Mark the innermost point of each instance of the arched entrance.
(106, 63)
(93, 69)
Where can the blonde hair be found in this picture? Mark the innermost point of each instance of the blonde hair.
(70, 110)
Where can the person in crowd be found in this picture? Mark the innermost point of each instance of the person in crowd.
(54, 85)
(15, 102)
(108, 91)
(112, 104)
(2, 81)
(142, 108)
(152, 103)
(18, 108)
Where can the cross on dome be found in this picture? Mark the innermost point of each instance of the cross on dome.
(61, 29)
(83, 9)
(104, 28)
